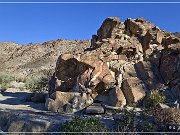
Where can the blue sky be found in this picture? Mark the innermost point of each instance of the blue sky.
(25, 23)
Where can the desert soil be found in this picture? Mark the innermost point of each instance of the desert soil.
(14, 99)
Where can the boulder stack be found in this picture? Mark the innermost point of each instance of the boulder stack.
(126, 60)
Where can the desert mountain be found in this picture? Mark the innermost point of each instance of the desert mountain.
(177, 34)
(32, 59)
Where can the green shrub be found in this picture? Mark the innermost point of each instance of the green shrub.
(5, 78)
(47, 71)
(166, 118)
(131, 121)
(154, 99)
(20, 79)
(4, 86)
(78, 124)
(126, 121)
(37, 84)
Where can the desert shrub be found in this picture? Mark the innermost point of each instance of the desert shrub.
(166, 119)
(37, 84)
(126, 121)
(4, 86)
(154, 99)
(47, 71)
(78, 124)
(20, 79)
(5, 78)
(132, 121)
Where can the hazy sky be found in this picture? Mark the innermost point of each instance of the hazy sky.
(25, 23)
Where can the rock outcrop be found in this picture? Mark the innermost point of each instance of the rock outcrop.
(126, 60)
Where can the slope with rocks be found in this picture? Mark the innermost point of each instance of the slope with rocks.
(32, 59)
(177, 34)
(126, 61)
(122, 65)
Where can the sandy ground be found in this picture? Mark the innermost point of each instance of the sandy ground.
(17, 100)
(14, 104)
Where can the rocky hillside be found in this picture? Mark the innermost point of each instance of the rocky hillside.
(177, 34)
(33, 59)
(129, 74)
(126, 62)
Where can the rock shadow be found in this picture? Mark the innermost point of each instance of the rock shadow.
(21, 98)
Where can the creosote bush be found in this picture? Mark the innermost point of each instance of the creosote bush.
(126, 121)
(166, 118)
(37, 84)
(154, 99)
(4, 86)
(132, 121)
(19, 79)
(5, 80)
(78, 124)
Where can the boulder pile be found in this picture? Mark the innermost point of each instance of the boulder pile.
(126, 61)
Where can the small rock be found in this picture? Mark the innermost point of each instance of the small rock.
(95, 108)
(160, 105)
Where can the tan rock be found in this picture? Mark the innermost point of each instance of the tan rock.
(73, 100)
(90, 69)
(143, 68)
(159, 37)
(114, 97)
(133, 90)
(129, 69)
(149, 74)
(50, 105)
(108, 28)
(146, 41)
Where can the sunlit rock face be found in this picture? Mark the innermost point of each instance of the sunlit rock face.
(125, 61)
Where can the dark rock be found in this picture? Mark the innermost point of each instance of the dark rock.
(39, 97)
(95, 108)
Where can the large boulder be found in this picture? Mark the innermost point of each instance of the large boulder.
(133, 90)
(170, 68)
(68, 102)
(110, 28)
(149, 74)
(114, 97)
(87, 69)
(137, 27)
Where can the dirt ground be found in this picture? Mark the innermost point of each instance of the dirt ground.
(18, 100)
